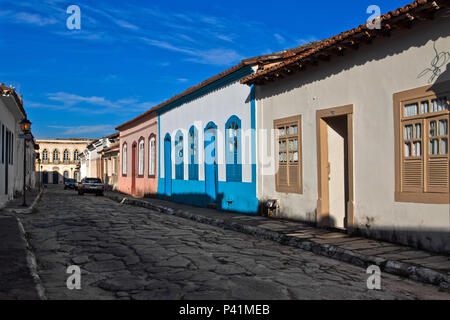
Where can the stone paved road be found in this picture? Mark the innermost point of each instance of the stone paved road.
(127, 252)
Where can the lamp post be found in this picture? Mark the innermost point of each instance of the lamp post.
(39, 168)
(25, 125)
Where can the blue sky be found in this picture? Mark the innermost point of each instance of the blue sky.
(131, 55)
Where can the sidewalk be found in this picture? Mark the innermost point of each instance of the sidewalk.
(15, 205)
(16, 279)
(401, 260)
(18, 276)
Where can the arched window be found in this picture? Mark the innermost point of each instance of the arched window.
(193, 153)
(233, 149)
(66, 175)
(141, 158)
(45, 155)
(66, 155)
(179, 161)
(76, 155)
(152, 156)
(124, 159)
(55, 155)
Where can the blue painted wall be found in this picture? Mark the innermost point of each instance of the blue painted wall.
(230, 196)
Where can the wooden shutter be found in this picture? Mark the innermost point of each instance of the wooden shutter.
(437, 174)
(412, 175)
(282, 176)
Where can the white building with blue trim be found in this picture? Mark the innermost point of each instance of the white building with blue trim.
(207, 142)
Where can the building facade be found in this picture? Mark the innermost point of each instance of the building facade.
(93, 164)
(12, 145)
(207, 145)
(111, 161)
(199, 146)
(139, 156)
(360, 137)
(59, 159)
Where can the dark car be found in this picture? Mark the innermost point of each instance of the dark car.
(70, 184)
(91, 185)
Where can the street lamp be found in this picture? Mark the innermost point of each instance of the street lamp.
(38, 157)
(25, 125)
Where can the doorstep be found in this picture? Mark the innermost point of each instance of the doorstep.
(401, 260)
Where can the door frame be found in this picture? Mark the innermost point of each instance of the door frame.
(6, 158)
(55, 176)
(168, 166)
(323, 201)
(133, 168)
(211, 126)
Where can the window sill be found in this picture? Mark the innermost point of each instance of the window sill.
(428, 198)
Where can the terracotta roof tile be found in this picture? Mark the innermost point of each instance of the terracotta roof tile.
(356, 35)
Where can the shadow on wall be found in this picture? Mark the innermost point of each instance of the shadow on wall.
(444, 74)
(203, 200)
(430, 240)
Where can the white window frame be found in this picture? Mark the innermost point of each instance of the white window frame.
(141, 150)
(152, 157)
(124, 159)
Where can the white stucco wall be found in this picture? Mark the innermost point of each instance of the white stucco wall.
(217, 106)
(10, 116)
(366, 78)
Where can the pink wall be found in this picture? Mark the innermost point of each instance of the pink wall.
(132, 134)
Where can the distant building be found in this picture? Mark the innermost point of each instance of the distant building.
(97, 160)
(59, 159)
(12, 113)
(110, 164)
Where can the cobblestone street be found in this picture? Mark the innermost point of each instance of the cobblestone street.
(127, 252)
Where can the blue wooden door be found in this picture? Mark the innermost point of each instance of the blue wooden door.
(55, 177)
(45, 177)
(210, 165)
(167, 167)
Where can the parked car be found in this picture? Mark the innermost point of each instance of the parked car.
(91, 185)
(70, 184)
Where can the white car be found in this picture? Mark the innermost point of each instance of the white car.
(91, 185)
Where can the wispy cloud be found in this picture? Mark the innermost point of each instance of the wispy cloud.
(69, 102)
(32, 18)
(80, 130)
(306, 40)
(279, 38)
(126, 25)
(195, 36)
(220, 56)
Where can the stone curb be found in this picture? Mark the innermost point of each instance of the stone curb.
(410, 271)
(25, 210)
(31, 262)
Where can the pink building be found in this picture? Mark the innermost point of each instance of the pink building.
(139, 155)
